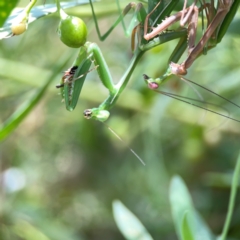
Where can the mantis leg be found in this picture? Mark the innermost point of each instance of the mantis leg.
(166, 23)
(155, 17)
(102, 112)
(73, 79)
(181, 69)
(175, 56)
(139, 14)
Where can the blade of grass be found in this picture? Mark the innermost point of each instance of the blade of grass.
(233, 193)
(181, 203)
(128, 223)
(186, 229)
(15, 71)
(17, 117)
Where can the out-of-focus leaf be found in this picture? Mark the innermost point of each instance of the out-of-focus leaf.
(186, 230)
(27, 231)
(17, 117)
(16, 72)
(181, 203)
(201, 229)
(220, 180)
(128, 224)
(36, 12)
(6, 8)
(232, 200)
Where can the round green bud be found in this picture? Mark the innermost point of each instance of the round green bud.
(72, 31)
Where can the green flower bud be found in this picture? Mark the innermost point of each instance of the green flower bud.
(72, 30)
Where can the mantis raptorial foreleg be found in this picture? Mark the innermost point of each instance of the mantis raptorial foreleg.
(182, 16)
(138, 16)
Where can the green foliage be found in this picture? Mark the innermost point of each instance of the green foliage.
(60, 173)
(6, 8)
(128, 224)
(30, 14)
(17, 117)
(188, 223)
(185, 228)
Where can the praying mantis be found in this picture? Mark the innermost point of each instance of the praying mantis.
(157, 11)
(72, 82)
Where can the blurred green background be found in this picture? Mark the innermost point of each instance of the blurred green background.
(60, 172)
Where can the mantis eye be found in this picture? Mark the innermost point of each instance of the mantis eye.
(72, 30)
(150, 82)
(100, 115)
(87, 113)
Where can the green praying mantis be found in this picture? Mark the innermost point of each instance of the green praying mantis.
(150, 30)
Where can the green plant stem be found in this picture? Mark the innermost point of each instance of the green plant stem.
(58, 7)
(30, 6)
(232, 199)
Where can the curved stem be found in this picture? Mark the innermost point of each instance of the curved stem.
(232, 199)
(30, 6)
(58, 7)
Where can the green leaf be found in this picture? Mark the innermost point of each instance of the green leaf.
(128, 223)
(36, 13)
(27, 231)
(6, 8)
(232, 200)
(181, 203)
(186, 229)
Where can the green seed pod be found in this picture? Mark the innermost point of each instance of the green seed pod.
(72, 30)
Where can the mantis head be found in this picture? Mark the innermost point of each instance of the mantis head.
(154, 83)
(97, 114)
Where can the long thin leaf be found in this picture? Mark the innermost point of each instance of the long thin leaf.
(186, 229)
(181, 203)
(128, 223)
(234, 188)
(18, 116)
